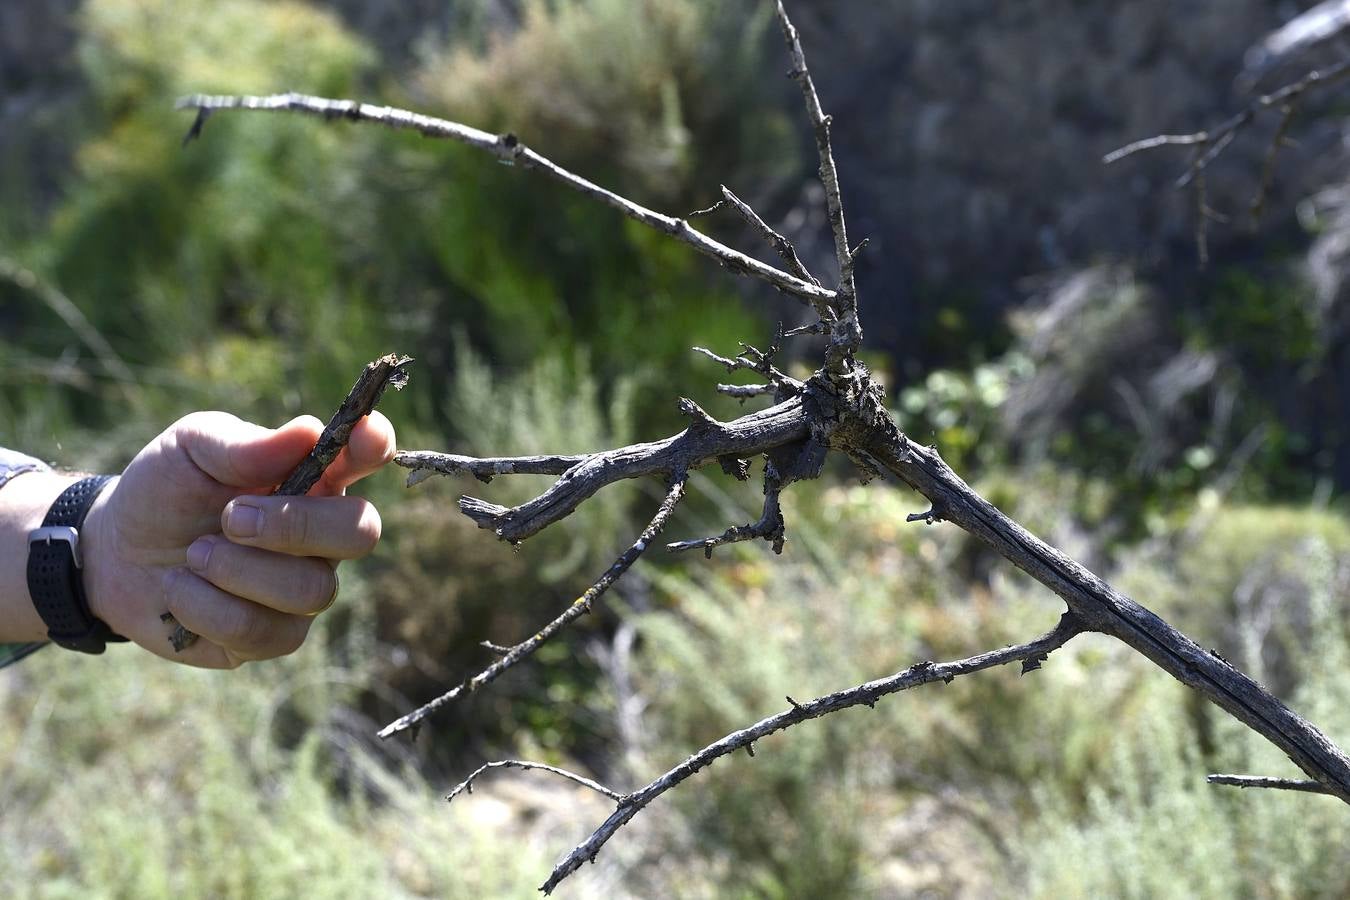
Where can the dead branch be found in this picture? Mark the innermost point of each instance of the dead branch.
(752, 360)
(509, 149)
(846, 333)
(770, 526)
(704, 441)
(1217, 138)
(746, 391)
(862, 695)
(838, 408)
(577, 609)
(425, 463)
(1257, 781)
(1212, 142)
(467, 784)
(781, 245)
(1101, 608)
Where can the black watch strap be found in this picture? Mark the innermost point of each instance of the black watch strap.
(55, 580)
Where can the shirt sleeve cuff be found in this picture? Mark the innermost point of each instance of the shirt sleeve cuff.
(12, 464)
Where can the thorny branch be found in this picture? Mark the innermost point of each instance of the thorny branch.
(1030, 654)
(839, 408)
(846, 333)
(781, 245)
(467, 784)
(577, 609)
(770, 525)
(509, 149)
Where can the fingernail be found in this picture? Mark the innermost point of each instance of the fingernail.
(199, 554)
(243, 520)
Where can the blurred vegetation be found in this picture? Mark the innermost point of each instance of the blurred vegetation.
(258, 268)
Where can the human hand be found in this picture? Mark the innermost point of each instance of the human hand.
(189, 529)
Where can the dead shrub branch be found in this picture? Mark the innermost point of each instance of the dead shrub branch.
(838, 409)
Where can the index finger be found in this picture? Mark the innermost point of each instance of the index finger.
(370, 447)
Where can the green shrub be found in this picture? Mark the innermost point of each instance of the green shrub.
(121, 777)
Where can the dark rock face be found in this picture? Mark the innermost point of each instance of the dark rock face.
(970, 135)
(39, 83)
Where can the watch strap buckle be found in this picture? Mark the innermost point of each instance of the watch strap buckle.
(65, 534)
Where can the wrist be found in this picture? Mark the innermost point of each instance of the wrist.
(23, 505)
(96, 540)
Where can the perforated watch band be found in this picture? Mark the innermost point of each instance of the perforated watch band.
(55, 581)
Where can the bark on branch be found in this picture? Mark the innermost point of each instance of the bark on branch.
(579, 607)
(1030, 654)
(509, 149)
(839, 408)
(701, 443)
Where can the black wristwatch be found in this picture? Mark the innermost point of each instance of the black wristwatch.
(55, 579)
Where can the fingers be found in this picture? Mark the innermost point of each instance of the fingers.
(240, 629)
(296, 585)
(241, 454)
(370, 447)
(330, 527)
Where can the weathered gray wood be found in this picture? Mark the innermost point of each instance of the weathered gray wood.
(1104, 609)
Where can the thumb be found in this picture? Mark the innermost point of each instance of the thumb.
(240, 454)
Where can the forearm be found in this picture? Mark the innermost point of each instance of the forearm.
(24, 502)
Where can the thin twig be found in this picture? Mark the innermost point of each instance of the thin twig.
(425, 463)
(862, 695)
(1258, 203)
(760, 364)
(770, 526)
(746, 391)
(1201, 219)
(817, 327)
(1210, 153)
(706, 211)
(1221, 134)
(578, 608)
(70, 313)
(387, 371)
(1151, 143)
(508, 148)
(700, 444)
(1257, 781)
(467, 784)
(781, 245)
(846, 336)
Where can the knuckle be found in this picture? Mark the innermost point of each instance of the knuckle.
(177, 585)
(193, 421)
(295, 525)
(245, 627)
(369, 526)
